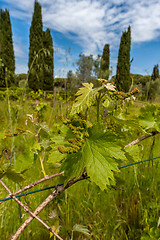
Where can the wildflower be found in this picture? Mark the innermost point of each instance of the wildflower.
(29, 117)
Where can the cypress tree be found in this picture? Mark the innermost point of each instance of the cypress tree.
(35, 79)
(48, 60)
(155, 73)
(7, 65)
(104, 67)
(123, 79)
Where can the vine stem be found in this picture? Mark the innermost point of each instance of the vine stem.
(58, 190)
(15, 236)
(142, 138)
(35, 183)
(42, 166)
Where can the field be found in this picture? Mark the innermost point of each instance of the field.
(32, 127)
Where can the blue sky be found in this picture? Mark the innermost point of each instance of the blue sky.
(85, 26)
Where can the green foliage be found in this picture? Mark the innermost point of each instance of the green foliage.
(81, 229)
(24, 161)
(2, 95)
(6, 50)
(71, 81)
(14, 176)
(87, 69)
(36, 44)
(40, 75)
(155, 73)
(128, 208)
(123, 80)
(60, 82)
(40, 63)
(153, 88)
(86, 97)
(84, 70)
(149, 86)
(104, 68)
(150, 118)
(97, 156)
(48, 61)
(20, 79)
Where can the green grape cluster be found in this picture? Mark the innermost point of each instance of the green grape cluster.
(111, 125)
(79, 128)
(122, 95)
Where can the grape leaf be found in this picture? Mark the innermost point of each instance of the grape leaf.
(86, 97)
(55, 156)
(109, 86)
(14, 176)
(60, 139)
(106, 103)
(44, 130)
(46, 144)
(157, 124)
(134, 152)
(98, 157)
(36, 147)
(150, 117)
(24, 161)
(147, 120)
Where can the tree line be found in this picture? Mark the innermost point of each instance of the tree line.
(40, 63)
(41, 60)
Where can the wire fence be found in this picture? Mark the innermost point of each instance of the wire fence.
(47, 188)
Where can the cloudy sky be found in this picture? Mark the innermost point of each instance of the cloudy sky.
(84, 26)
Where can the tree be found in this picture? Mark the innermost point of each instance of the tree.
(123, 79)
(155, 73)
(35, 78)
(48, 60)
(7, 66)
(40, 53)
(104, 67)
(88, 69)
(72, 81)
(85, 68)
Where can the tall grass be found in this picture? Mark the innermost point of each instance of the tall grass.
(129, 211)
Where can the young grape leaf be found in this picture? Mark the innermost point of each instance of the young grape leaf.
(98, 157)
(36, 147)
(86, 97)
(44, 130)
(109, 86)
(107, 103)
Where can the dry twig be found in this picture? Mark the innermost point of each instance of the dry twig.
(34, 184)
(58, 190)
(142, 138)
(28, 211)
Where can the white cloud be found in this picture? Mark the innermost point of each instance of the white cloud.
(19, 50)
(92, 23)
(21, 68)
(95, 22)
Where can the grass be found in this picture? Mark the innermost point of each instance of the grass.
(128, 212)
